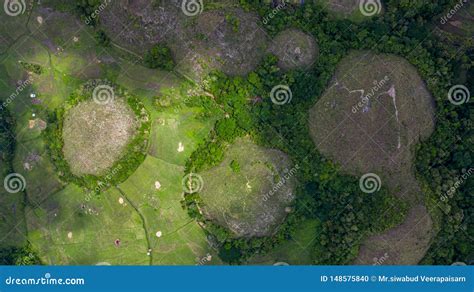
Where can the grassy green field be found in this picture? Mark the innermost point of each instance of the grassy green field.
(176, 133)
(64, 223)
(182, 241)
(70, 227)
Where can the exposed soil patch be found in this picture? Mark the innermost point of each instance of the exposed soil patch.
(252, 201)
(294, 49)
(95, 135)
(375, 110)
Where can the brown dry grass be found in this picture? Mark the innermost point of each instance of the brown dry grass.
(251, 202)
(294, 49)
(228, 39)
(95, 136)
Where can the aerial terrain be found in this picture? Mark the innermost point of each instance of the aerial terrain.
(251, 132)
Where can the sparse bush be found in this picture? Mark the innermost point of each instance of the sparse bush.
(35, 68)
(159, 57)
(102, 38)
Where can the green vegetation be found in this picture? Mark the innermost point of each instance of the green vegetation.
(159, 57)
(233, 21)
(192, 129)
(35, 68)
(24, 256)
(102, 38)
(235, 96)
(7, 144)
(87, 8)
(295, 251)
(438, 160)
(235, 166)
